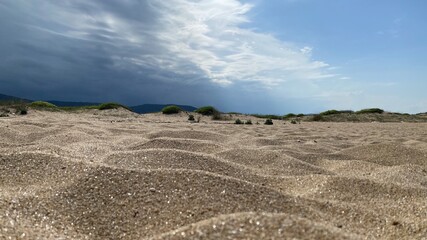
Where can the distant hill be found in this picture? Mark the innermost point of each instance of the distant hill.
(72, 104)
(7, 98)
(141, 109)
(151, 108)
(144, 108)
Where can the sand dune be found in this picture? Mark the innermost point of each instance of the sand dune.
(117, 175)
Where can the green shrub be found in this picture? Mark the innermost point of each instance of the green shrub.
(293, 122)
(21, 110)
(221, 117)
(370, 110)
(41, 104)
(317, 118)
(171, 110)
(191, 118)
(248, 122)
(112, 105)
(333, 111)
(300, 115)
(330, 112)
(238, 121)
(207, 111)
(268, 122)
(269, 116)
(289, 115)
(346, 111)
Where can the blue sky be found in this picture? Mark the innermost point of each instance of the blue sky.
(255, 56)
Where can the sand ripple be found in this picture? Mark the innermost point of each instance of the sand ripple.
(116, 175)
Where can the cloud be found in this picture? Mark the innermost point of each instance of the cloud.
(208, 34)
(394, 29)
(144, 43)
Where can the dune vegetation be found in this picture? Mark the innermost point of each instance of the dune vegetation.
(332, 115)
(171, 109)
(207, 110)
(42, 105)
(120, 175)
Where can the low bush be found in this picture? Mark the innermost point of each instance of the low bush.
(330, 112)
(346, 111)
(171, 110)
(293, 122)
(112, 105)
(276, 117)
(248, 122)
(370, 110)
(333, 111)
(238, 121)
(41, 104)
(14, 107)
(268, 122)
(21, 110)
(289, 115)
(207, 111)
(221, 117)
(300, 115)
(191, 118)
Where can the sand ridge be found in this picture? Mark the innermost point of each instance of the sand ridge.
(118, 175)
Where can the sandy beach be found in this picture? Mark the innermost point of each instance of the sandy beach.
(118, 175)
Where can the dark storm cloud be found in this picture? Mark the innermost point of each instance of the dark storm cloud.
(137, 51)
(50, 53)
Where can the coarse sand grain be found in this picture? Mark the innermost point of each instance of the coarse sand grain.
(119, 175)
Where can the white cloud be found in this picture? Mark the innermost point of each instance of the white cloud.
(306, 50)
(209, 35)
(202, 39)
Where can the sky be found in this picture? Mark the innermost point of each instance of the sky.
(252, 56)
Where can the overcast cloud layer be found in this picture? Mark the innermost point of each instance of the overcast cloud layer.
(137, 51)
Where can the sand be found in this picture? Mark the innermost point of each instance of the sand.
(118, 175)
